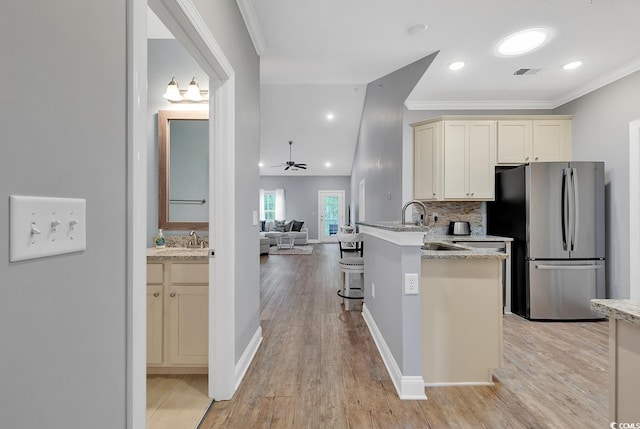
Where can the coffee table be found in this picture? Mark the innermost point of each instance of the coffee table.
(285, 241)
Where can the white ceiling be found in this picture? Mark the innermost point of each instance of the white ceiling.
(306, 47)
(357, 41)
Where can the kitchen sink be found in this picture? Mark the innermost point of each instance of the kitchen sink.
(442, 246)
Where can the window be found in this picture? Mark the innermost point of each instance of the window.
(269, 205)
(272, 204)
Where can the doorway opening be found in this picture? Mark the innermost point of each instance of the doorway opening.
(331, 209)
(183, 20)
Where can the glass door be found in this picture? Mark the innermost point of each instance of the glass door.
(330, 214)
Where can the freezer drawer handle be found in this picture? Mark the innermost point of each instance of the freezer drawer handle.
(569, 267)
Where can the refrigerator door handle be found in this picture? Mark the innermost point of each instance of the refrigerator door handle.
(564, 208)
(568, 267)
(575, 214)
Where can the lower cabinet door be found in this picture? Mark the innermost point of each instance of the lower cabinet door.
(155, 331)
(188, 324)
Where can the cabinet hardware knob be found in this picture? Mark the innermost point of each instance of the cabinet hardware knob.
(536, 158)
(434, 194)
(473, 193)
(156, 294)
(526, 159)
(172, 294)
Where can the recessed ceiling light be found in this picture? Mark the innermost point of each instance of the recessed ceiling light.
(456, 65)
(330, 116)
(261, 164)
(572, 65)
(327, 164)
(416, 29)
(523, 42)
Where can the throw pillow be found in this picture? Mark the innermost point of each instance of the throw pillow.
(278, 226)
(287, 226)
(263, 225)
(297, 225)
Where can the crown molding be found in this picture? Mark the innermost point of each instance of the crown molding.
(606, 79)
(250, 18)
(478, 105)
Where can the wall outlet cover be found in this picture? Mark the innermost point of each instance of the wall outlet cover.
(411, 284)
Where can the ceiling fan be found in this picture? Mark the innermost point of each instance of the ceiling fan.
(291, 164)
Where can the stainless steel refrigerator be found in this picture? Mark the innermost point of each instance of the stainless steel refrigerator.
(554, 211)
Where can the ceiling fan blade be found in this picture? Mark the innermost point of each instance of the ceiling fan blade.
(287, 167)
(302, 166)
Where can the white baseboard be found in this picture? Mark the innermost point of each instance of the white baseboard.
(477, 383)
(313, 241)
(408, 387)
(249, 353)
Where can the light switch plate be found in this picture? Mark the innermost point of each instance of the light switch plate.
(45, 226)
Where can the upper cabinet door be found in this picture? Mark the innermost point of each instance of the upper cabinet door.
(426, 155)
(551, 140)
(482, 159)
(514, 142)
(456, 138)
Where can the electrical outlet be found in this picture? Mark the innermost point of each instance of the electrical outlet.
(411, 284)
(373, 290)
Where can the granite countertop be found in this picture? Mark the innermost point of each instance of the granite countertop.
(623, 309)
(396, 226)
(178, 254)
(465, 252)
(472, 237)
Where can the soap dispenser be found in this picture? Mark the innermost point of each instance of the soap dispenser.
(159, 239)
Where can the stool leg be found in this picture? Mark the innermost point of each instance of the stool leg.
(343, 277)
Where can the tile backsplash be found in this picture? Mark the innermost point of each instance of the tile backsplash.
(449, 211)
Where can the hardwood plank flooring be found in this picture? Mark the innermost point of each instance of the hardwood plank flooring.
(318, 367)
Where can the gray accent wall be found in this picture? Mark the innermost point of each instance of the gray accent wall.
(301, 195)
(166, 58)
(601, 133)
(397, 316)
(63, 124)
(378, 155)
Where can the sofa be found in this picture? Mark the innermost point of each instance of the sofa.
(271, 229)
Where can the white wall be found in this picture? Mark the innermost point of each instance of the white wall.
(63, 124)
(601, 133)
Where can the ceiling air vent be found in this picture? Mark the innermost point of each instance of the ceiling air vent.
(528, 72)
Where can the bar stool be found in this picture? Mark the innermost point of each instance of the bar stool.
(350, 265)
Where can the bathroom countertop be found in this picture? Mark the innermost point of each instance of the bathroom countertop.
(178, 254)
(623, 309)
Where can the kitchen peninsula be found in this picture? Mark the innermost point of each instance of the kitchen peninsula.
(448, 331)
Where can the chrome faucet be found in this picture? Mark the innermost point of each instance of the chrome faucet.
(404, 211)
(193, 241)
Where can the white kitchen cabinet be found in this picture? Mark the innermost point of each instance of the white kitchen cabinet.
(177, 317)
(427, 155)
(534, 140)
(469, 160)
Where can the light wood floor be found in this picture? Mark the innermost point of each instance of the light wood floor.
(176, 401)
(318, 367)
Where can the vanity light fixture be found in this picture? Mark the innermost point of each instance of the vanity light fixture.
(523, 42)
(193, 93)
(572, 65)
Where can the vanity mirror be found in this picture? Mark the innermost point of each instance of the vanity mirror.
(183, 180)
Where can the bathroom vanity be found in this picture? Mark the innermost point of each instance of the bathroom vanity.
(177, 310)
